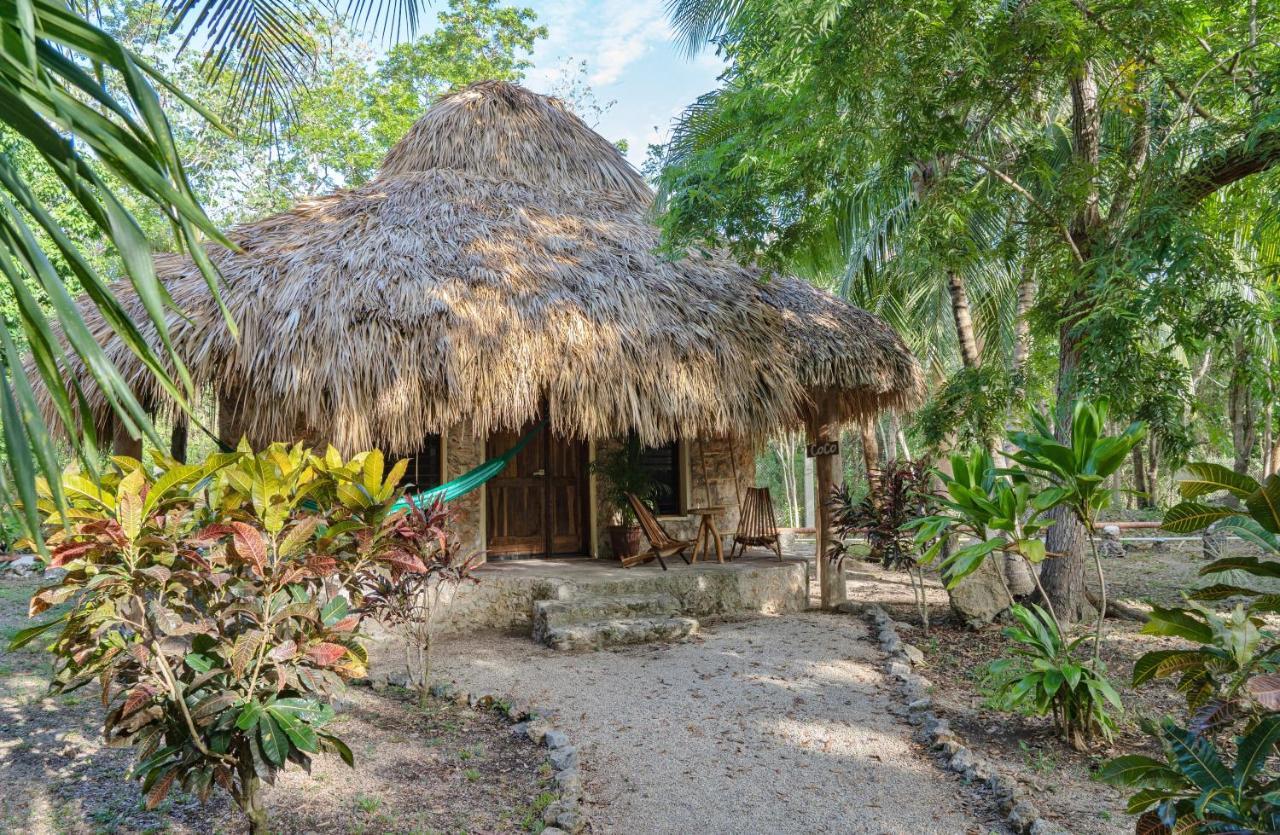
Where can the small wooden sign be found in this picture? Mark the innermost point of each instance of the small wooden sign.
(825, 448)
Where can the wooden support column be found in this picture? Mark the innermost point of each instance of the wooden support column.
(122, 443)
(178, 440)
(831, 582)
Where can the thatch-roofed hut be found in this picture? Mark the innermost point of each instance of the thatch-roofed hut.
(500, 268)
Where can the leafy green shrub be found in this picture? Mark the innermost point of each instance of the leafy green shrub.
(1229, 678)
(885, 515)
(407, 599)
(213, 604)
(1043, 678)
(1196, 789)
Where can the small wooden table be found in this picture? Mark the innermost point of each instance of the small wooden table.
(707, 533)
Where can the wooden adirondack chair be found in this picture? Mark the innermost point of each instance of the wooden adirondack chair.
(756, 523)
(661, 544)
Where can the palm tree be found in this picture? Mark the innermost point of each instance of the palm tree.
(88, 108)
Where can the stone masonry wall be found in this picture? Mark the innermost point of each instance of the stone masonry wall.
(465, 451)
(720, 457)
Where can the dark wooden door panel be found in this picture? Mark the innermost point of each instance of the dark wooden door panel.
(566, 496)
(516, 512)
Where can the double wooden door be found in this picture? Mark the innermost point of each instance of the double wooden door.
(537, 506)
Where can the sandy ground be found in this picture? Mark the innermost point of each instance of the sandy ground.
(777, 724)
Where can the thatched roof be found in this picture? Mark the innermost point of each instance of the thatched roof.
(504, 258)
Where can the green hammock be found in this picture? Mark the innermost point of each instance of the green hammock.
(470, 480)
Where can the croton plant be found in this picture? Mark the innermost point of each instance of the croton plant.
(214, 604)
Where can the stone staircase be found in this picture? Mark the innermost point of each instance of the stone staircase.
(581, 620)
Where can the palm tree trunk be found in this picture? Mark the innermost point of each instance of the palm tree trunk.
(963, 320)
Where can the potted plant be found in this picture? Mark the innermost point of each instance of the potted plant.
(621, 471)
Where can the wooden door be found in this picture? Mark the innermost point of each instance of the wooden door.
(566, 496)
(515, 517)
(537, 506)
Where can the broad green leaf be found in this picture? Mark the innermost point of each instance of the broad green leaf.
(1135, 770)
(1254, 748)
(275, 743)
(1179, 623)
(249, 716)
(1189, 517)
(301, 734)
(1264, 504)
(1205, 478)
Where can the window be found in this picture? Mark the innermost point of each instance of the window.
(662, 463)
(423, 471)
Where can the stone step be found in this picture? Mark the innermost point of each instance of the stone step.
(605, 633)
(586, 608)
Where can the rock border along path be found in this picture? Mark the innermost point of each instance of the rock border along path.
(1020, 813)
(563, 816)
(772, 724)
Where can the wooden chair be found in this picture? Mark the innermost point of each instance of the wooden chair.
(756, 523)
(661, 544)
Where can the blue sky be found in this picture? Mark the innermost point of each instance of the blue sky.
(632, 58)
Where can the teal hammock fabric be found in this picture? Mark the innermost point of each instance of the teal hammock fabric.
(470, 480)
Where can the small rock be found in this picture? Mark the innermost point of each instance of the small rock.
(570, 782)
(555, 738)
(520, 728)
(564, 757)
(962, 760)
(570, 822)
(950, 747)
(553, 811)
(537, 730)
(552, 830)
(1023, 815)
(899, 670)
(913, 654)
(481, 699)
(923, 703)
(442, 690)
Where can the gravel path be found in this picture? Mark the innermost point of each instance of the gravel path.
(767, 725)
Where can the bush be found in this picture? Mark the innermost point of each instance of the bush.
(407, 599)
(1043, 677)
(213, 604)
(1229, 679)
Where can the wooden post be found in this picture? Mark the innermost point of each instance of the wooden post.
(831, 582)
(122, 443)
(178, 440)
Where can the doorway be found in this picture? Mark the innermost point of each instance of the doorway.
(537, 506)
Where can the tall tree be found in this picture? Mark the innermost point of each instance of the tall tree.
(1112, 124)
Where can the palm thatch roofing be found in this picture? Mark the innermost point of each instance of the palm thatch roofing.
(504, 258)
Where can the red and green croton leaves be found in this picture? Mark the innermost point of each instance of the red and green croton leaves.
(215, 604)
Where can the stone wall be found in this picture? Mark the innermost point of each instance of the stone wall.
(464, 451)
(708, 481)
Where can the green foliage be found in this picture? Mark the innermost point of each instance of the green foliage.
(1043, 678)
(969, 410)
(1228, 677)
(213, 602)
(1077, 472)
(621, 470)
(1196, 788)
(996, 510)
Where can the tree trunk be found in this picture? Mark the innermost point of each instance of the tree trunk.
(1140, 478)
(963, 320)
(1022, 327)
(1153, 470)
(1062, 576)
(870, 453)
(1242, 407)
